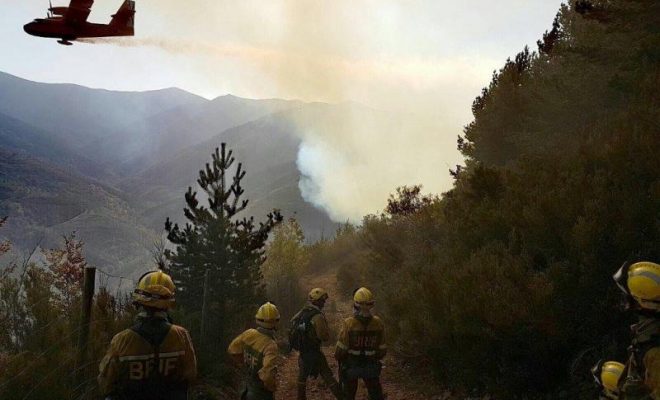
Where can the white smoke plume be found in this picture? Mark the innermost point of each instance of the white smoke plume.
(347, 52)
(354, 159)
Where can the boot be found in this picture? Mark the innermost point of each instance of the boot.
(302, 390)
(374, 389)
(336, 390)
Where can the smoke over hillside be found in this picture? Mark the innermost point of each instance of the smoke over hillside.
(366, 52)
(353, 160)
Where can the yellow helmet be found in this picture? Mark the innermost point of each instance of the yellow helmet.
(267, 316)
(155, 289)
(641, 280)
(363, 297)
(607, 374)
(317, 294)
(644, 284)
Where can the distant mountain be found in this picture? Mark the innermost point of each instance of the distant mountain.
(113, 165)
(143, 143)
(77, 115)
(20, 137)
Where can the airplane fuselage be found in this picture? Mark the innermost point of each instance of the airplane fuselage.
(58, 28)
(70, 23)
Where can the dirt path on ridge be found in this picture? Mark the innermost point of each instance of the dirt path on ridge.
(335, 311)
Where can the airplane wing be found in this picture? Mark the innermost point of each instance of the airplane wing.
(78, 11)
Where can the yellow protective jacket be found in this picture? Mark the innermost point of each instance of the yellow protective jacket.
(260, 356)
(652, 364)
(642, 379)
(321, 327)
(361, 338)
(134, 368)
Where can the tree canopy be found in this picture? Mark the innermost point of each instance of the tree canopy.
(217, 240)
(504, 284)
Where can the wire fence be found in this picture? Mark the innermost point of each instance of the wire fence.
(41, 347)
(70, 376)
(109, 275)
(104, 278)
(49, 349)
(36, 361)
(47, 376)
(35, 374)
(83, 385)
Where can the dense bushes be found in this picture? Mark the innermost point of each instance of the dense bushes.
(39, 328)
(504, 284)
(287, 258)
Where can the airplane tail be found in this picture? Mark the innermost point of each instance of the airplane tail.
(124, 19)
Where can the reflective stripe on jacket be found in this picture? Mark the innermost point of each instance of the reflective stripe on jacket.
(132, 365)
(652, 364)
(362, 337)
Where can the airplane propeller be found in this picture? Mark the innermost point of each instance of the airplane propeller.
(50, 9)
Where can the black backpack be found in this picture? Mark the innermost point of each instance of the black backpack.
(300, 337)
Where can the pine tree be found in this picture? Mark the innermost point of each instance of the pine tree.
(217, 240)
(408, 201)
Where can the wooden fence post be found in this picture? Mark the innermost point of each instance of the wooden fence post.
(85, 318)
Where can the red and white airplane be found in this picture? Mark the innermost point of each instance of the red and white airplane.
(70, 23)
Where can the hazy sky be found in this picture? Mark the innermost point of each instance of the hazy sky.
(429, 57)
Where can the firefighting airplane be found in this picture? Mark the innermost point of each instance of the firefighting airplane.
(70, 23)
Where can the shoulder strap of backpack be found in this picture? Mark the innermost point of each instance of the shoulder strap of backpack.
(309, 313)
(154, 334)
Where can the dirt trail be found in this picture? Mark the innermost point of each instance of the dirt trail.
(336, 310)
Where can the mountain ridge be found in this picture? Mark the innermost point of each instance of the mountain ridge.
(114, 172)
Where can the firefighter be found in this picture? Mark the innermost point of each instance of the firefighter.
(361, 347)
(641, 283)
(607, 376)
(257, 351)
(309, 329)
(154, 359)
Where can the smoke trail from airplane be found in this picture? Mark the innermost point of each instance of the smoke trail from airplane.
(186, 47)
(320, 77)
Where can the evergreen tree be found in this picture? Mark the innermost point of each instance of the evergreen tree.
(504, 284)
(215, 239)
(408, 200)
